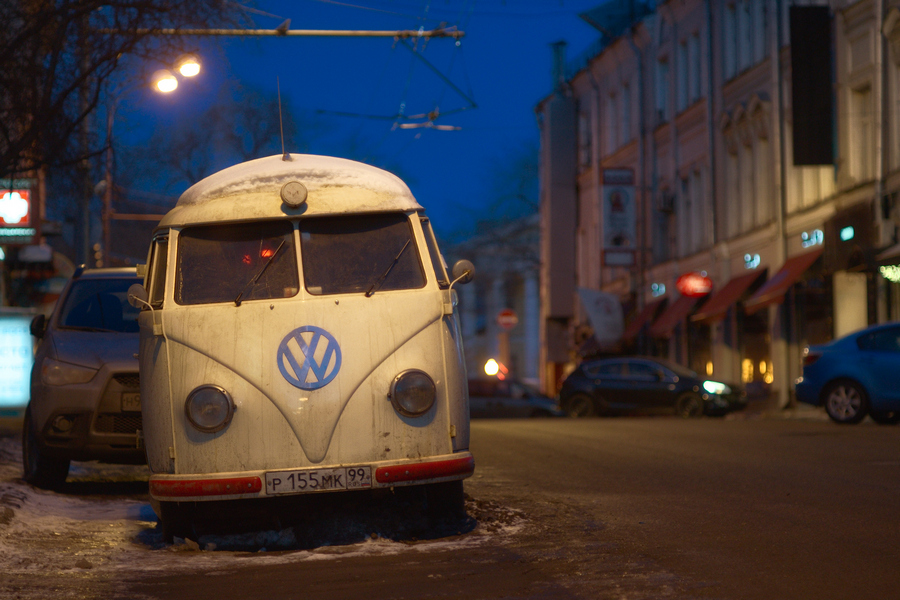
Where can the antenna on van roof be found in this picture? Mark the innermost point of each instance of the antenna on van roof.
(284, 155)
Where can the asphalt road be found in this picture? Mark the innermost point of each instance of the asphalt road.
(624, 508)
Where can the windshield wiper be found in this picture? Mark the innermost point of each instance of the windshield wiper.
(372, 289)
(252, 282)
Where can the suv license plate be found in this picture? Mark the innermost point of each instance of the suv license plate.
(131, 402)
(318, 480)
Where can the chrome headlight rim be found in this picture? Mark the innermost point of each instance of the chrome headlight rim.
(229, 408)
(397, 401)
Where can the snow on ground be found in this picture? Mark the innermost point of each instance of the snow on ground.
(103, 528)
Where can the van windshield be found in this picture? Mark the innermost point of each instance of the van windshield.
(359, 254)
(231, 263)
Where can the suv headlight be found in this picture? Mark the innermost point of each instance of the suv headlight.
(209, 408)
(54, 372)
(412, 393)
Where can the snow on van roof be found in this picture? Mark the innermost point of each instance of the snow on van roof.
(251, 190)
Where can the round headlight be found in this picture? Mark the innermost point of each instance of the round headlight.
(209, 408)
(412, 393)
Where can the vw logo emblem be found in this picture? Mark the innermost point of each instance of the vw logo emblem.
(309, 357)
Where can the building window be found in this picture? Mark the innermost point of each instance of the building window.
(694, 66)
(729, 42)
(626, 113)
(681, 83)
(613, 124)
(745, 35)
(662, 90)
(760, 51)
(584, 140)
(861, 134)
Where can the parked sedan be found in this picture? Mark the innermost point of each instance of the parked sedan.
(855, 376)
(85, 388)
(507, 399)
(628, 384)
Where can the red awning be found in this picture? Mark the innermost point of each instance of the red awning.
(773, 291)
(647, 313)
(672, 316)
(717, 305)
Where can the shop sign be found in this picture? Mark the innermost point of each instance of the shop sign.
(16, 215)
(694, 284)
(619, 217)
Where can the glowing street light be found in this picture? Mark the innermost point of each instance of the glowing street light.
(188, 65)
(165, 81)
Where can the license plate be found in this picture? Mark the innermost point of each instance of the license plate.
(318, 480)
(131, 402)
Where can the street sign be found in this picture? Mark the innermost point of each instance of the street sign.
(507, 319)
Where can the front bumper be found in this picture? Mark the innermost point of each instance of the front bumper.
(251, 484)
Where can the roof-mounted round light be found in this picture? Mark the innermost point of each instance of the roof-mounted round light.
(294, 193)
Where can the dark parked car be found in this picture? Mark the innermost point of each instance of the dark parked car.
(85, 388)
(496, 398)
(628, 384)
(855, 376)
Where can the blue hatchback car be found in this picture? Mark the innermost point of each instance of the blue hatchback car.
(855, 376)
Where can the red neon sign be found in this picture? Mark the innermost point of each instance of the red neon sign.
(694, 284)
(15, 208)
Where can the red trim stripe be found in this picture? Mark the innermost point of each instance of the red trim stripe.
(179, 488)
(426, 470)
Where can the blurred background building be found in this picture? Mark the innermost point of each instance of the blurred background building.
(764, 141)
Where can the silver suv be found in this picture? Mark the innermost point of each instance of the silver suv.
(85, 388)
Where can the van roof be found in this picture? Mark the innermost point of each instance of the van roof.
(252, 190)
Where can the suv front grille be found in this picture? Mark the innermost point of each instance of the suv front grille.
(129, 380)
(118, 423)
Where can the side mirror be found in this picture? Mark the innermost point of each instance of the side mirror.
(38, 326)
(463, 271)
(137, 296)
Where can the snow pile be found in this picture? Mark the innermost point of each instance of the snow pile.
(50, 541)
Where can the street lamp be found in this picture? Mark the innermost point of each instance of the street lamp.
(163, 81)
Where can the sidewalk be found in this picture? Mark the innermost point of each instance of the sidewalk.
(767, 408)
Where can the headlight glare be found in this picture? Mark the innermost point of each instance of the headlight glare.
(54, 372)
(715, 387)
(209, 408)
(412, 393)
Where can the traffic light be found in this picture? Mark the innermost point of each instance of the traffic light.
(98, 255)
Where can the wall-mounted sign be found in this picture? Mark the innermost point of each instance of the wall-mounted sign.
(751, 261)
(17, 214)
(694, 284)
(812, 238)
(619, 224)
(15, 208)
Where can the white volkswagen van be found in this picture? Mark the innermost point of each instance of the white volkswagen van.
(299, 335)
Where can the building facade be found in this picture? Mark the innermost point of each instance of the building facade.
(782, 195)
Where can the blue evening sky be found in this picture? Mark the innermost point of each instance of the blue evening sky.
(503, 64)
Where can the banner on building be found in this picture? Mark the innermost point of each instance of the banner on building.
(617, 195)
(604, 311)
